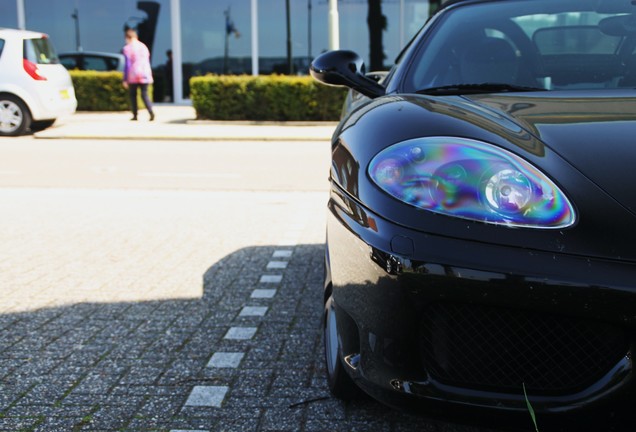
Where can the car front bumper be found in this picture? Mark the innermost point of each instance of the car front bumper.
(428, 319)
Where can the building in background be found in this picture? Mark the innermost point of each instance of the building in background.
(215, 36)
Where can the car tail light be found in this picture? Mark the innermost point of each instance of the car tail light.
(33, 71)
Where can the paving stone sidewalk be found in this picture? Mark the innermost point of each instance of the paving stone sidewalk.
(168, 311)
(176, 123)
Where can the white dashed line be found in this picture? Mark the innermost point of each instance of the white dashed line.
(188, 430)
(207, 396)
(271, 278)
(213, 396)
(263, 293)
(225, 360)
(283, 253)
(253, 311)
(240, 333)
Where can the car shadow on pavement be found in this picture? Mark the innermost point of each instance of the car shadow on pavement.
(133, 366)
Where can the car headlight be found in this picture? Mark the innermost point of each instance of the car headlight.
(472, 180)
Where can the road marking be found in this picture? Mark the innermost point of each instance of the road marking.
(229, 176)
(225, 360)
(188, 430)
(253, 311)
(276, 265)
(263, 293)
(207, 396)
(240, 333)
(283, 253)
(271, 278)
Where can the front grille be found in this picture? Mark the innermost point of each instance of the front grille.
(500, 349)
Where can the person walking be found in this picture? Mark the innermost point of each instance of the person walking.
(137, 71)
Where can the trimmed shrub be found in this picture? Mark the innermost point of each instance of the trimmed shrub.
(267, 98)
(101, 91)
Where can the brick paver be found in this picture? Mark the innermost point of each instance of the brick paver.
(116, 305)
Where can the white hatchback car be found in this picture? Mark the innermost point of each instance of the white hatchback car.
(35, 89)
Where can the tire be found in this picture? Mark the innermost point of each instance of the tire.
(15, 118)
(40, 125)
(340, 383)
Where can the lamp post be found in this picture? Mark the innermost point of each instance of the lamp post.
(228, 29)
(290, 64)
(75, 17)
(308, 31)
(334, 25)
(21, 14)
(254, 19)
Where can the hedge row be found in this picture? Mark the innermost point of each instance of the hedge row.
(224, 97)
(270, 97)
(99, 91)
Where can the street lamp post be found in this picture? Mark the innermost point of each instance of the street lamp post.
(290, 64)
(309, 31)
(334, 25)
(228, 29)
(75, 17)
(21, 14)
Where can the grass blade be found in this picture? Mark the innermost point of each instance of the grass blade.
(530, 409)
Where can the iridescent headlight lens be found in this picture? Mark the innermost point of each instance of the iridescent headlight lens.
(472, 180)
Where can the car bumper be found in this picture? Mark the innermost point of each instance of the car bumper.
(427, 319)
(53, 102)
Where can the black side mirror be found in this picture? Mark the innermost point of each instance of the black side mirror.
(344, 68)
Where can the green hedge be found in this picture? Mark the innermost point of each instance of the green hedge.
(270, 97)
(101, 91)
(224, 97)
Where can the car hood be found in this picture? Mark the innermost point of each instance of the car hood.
(596, 133)
(584, 142)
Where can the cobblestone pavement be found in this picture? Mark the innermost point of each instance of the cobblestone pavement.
(172, 311)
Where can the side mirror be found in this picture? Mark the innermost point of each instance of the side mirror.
(344, 68)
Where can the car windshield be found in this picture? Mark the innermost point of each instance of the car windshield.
(528, 44)
(40, 51)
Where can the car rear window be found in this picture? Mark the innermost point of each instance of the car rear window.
(40, 51)
(1, 46)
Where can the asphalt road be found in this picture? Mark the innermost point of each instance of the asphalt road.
(171, 286)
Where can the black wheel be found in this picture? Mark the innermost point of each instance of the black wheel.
(40, 125)
(15, 118)
(340, 383)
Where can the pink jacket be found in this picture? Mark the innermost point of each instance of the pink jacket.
(137, 69)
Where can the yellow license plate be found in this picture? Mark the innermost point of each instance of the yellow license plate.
(64, 94)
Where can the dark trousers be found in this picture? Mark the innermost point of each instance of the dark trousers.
(132, 88)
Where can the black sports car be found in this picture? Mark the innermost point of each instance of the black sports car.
(481, 238)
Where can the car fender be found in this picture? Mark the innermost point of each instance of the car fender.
(28, 100)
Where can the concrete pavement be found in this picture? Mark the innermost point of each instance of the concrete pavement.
(130, 309)
(174, 122)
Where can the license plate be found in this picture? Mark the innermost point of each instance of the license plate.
(64, 94)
